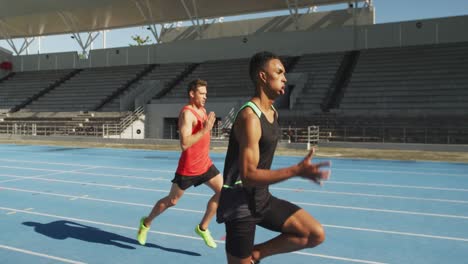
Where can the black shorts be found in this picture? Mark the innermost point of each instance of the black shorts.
(184, 182)
(240, 233)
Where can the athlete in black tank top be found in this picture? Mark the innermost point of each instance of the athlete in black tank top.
(245, 200)
(254, 198)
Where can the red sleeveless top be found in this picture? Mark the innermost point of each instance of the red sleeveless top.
(195, 160)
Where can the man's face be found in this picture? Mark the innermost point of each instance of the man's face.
(198, 97)
(273, 75)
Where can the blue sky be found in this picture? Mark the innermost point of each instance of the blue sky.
(386, 11)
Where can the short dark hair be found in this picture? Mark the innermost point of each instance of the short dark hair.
(193, 85)
(258, 61)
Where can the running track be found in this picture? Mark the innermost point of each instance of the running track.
(82, 205)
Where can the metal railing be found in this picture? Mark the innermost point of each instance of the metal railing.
(312, 135)
(116, 129)
(394, 134)
(38, 129)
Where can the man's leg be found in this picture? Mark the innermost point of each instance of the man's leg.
(240, 236)
(215, 183)
(170, 200)
(300, 231)
(234, 260)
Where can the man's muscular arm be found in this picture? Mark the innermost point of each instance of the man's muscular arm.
(186, 122)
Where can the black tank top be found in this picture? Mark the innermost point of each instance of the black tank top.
(239, 201)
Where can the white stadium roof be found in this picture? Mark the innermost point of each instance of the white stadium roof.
(29, 18)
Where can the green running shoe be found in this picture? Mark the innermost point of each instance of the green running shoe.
(206, 235)
(142, 232)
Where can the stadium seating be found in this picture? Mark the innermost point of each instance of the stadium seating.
(226, 78)
(410, 80)
(24, 85)
(164, 73)
(321, 70)
(408, 94)
(86, 90)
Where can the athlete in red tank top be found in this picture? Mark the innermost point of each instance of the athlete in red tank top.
(195, 166)
(195, 160)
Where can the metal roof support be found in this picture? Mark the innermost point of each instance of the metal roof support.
(355, 30)
(89, 41)
(293, 11)
(71, 23)
(164, 28)
(311, 9)
(144, 8)
(26, 43)
(194, 18)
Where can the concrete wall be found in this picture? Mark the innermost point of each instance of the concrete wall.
(5, 54)
(157, 111)
(135, 131)
(420, 32)
(49, 61)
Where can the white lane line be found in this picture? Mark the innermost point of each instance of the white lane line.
(176, 235)
(27, 168)
(78, 197)
(399, 186)
(86, 197)
(28, 252)
(118, 187)
(383, 210)
(371, 195)
(80, 172)
(398, 233)
(112, 186)
(172, 171)
(37, 177)
(338, 258)
(113, 157)
(389, 185)
(22, 178)
(14, 212)
(88, 165)
(402, 172)
(295, 189)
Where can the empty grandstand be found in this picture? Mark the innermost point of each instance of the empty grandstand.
(352, 79)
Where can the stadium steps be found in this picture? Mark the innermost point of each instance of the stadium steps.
(342, 77)
(6, 77)
(291, 62)
(46, 90)
(177, 80)
(124, 87)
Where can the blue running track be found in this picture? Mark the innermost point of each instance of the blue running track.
(82, 205)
